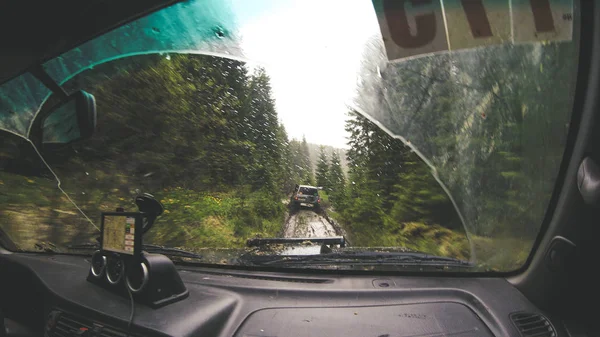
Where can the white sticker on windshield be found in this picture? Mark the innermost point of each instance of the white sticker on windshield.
(477, 23)
(411, 27)
(416, 27)
(542, 20)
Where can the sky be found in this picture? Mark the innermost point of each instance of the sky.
(312, 51)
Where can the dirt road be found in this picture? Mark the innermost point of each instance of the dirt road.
(306, 224)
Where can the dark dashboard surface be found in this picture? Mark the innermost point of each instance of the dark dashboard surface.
(242, 303)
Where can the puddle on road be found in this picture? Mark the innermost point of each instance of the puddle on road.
(301, 250)
(307, 224)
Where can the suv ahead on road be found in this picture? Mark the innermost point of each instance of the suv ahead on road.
(305, 194)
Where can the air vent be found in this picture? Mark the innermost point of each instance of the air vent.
(533, 325)
(109, 332)
(62, 324)
(67, 325)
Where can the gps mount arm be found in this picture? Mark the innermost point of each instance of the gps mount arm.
(151, 208)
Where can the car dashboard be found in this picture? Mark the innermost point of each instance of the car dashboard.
(50, 294)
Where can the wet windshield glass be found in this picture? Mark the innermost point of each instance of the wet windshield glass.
(448, 145)
(308, 190)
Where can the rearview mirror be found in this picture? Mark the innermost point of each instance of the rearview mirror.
(71, 119)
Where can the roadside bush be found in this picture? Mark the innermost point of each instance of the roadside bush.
(219, 219)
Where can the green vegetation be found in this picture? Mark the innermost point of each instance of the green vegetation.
(330, 151)
(33, 209)
(200, 133)
(492, 121)
(391, 199)
(322, 172)
(492, 125)
(301, 167)
(223, 220)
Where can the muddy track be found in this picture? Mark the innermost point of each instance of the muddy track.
(306, 224)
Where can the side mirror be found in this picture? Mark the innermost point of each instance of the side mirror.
(72, 119)
(588, 181)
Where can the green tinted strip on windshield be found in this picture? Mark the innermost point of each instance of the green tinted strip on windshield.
(206, 26)
(20, 99)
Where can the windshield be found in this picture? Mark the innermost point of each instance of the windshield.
(437, 129)
(308, 190)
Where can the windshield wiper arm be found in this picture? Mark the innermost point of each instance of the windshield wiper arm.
(147, 247)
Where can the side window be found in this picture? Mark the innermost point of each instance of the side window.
(34, 213)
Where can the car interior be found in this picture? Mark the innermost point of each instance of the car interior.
(555, 293)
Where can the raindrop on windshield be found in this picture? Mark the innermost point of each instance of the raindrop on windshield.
(219, 32)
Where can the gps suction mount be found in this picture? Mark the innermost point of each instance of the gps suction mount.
(153, 280)
(150, 207)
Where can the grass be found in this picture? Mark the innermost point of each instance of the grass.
(502, 253)
(39, 213)
(33, 211)
(219, 220)
(325, 203)
(496, 254)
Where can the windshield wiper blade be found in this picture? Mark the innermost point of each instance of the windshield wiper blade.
(147, 247)
(87, 245)
(46, 247)
(354, 258)
(170, 251)
(330, 240)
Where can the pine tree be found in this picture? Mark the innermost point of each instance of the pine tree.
(419, 197)
(322, 174)
(262, 127)
(307, 176)
(288, 176)
(337, 181)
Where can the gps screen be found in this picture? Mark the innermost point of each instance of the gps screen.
(118, 234)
